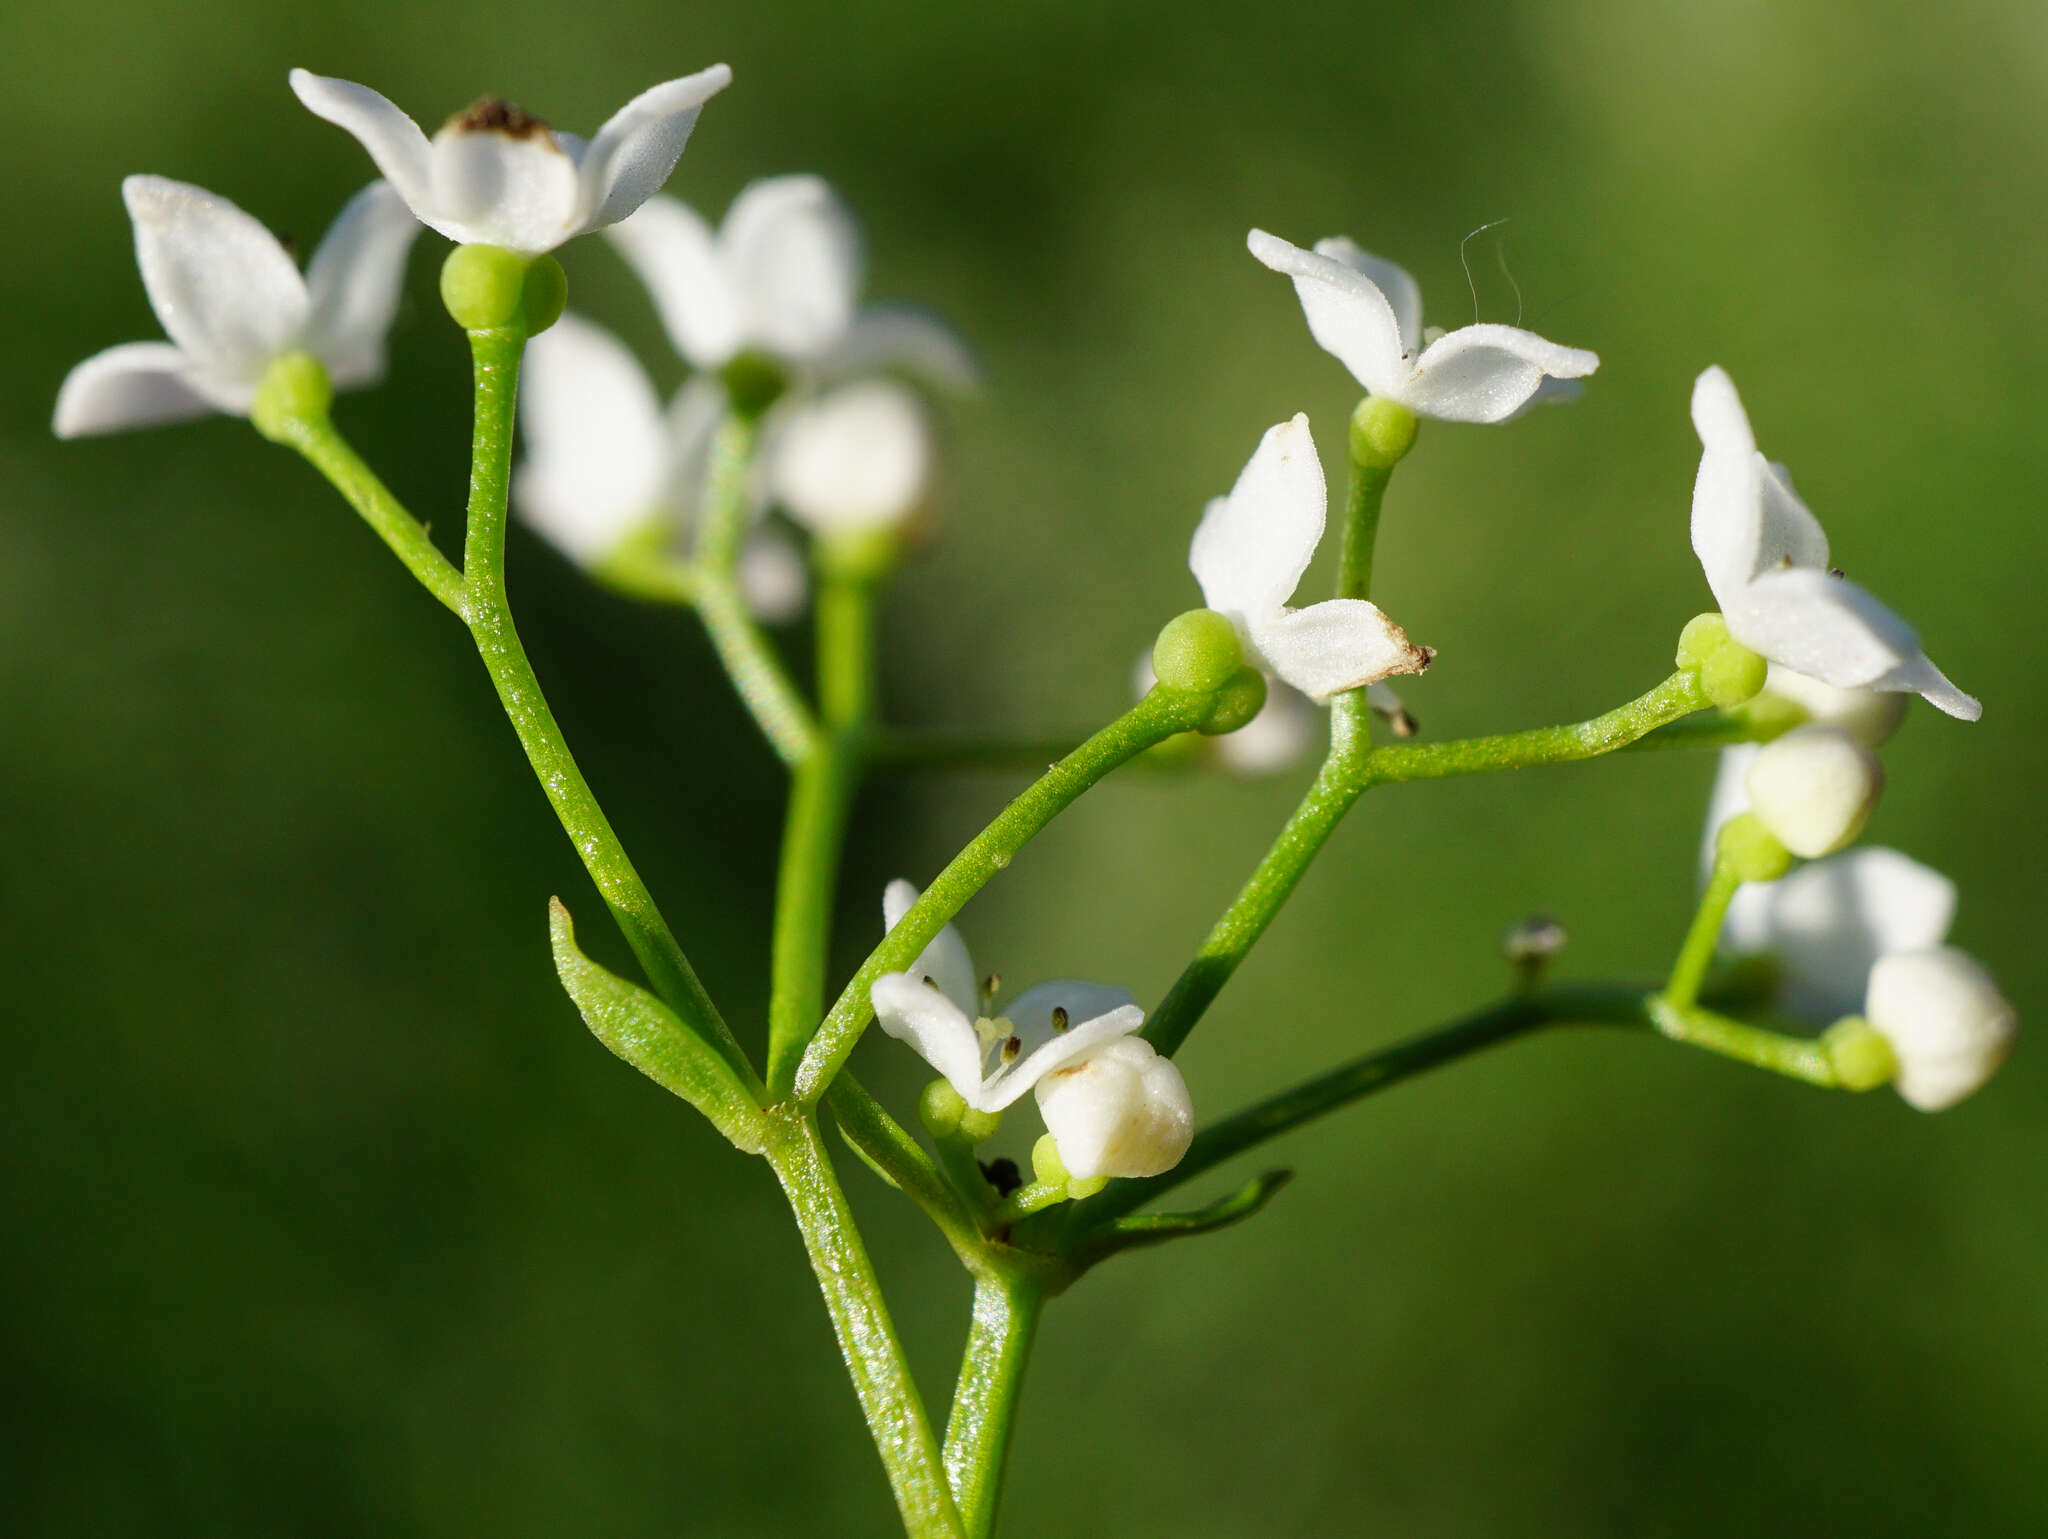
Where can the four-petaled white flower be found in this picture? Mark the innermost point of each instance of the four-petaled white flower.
(856, 458)
(232, 303)
(1367, 312)
(1249, 553)
(605, 462)
(936, 1007)
(1766, 558)
(781, 276)
(494, 176)
(1828, 922)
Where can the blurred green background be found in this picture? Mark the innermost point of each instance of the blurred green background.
(324, 1216)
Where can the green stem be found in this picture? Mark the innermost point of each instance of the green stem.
(1160, 715)
(489, 615)
(1677, 696)
(1006, 1311)
(323, 446)
(901, 1160)
(1800, 1058)
(1758, 721)
(1351, 712)
(1696, 955)
(867, 1337)
(764, 684)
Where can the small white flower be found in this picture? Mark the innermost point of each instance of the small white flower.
(1766, 558)
(232, 303)
(1827, 923)
(1947, 1024)
(1121, 1111)
(858, 457)
(782, 276)
(1249, 553)
(605, 460)
(936, 1008)
(1814, 788)
(1867, 714)
(494, 176)
(1367, 312)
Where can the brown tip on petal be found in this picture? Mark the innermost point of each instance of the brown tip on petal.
(495, 115)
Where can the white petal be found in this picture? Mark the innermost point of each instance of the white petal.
(1251, 547)
(1347, 314)
(907, 338)
(393, 139)
(791, 247)
(1488, 373)
(1390, 278)
(672, 248)
(1124, 1111)
(858, 458)
(945, 961)
(1869, 714)
(640, 144)
(1815, 788)
(1746, 519)
(1833, 630)
(353, 283)
(1945, 1020)
(1717, 414)
(597, 461)
(1336, 645)
(221, 284)
(1276, 739)
(1552, 392)
(512, 185)
(1830, 921)
(773, 578)
(1730, 796)
(1078, 1041)
(138, 384)
(1031, 1012)
(912, 1011)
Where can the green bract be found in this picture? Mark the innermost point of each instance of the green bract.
(1196, 651)
(1238, 700)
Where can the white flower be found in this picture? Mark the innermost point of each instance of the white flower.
(1947, 1024)
(782, 275)
(232, 303)
(495, 177)
(1766, 558)
(936, 1008)
(859, 457)
(1814, 788)
(1120, 1111)
(605, 461)
(1827, 923)
(1867, 714)
(1368, 313)
(1249, 553)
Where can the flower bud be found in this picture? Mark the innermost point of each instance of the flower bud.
(1947, 1024)
(1197, 651)
(1814, 788)
(295, 387)
(1750, 850)
(1382, 432)
(1866, 714)
(1121, 1111)
(1241, 697)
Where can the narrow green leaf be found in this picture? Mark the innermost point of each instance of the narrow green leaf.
(1155, 1228)
(648, 1035)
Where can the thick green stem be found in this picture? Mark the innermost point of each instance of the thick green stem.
(1160, 715)
(1258, 902)
(1756, 721)
(867, 1338)
(489, 615)
(315, 437)
(1696, 955)
(1006, 1311)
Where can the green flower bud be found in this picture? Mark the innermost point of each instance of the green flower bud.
(978, 1127)
(545, 293)
(940, 1108)
(1750, 850)
(1197, 652)
(1703, 636)
(753, 382)
(1731, 675)
(483, 286)
(1861, 1057)
(1382, 431)
(1241, 698)
(294, 388)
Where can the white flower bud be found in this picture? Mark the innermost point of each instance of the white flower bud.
(857, 459)
(1946, 1022)
(1121, 1111)
(1814, 788)
(1865, 714)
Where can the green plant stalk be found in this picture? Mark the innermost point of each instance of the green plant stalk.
(860, 1320)
(1160, 715)
(1006, 1311)
(764, 684)
(1696, 955)
(1756, 721)
(901, 1160)
(1799, 1058)
(489, 616)
(328, 452)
